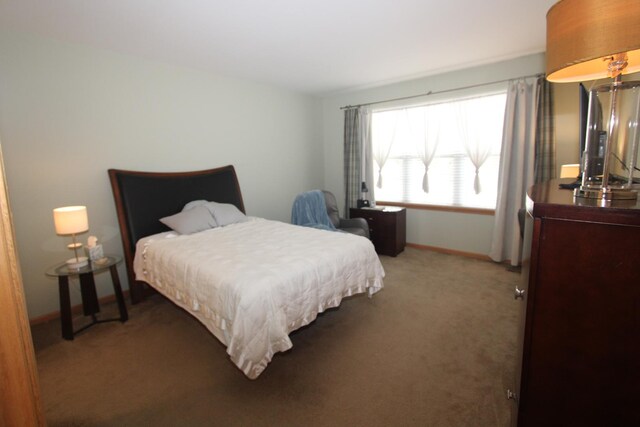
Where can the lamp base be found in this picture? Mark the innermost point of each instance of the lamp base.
(76, 263)
(606, 193)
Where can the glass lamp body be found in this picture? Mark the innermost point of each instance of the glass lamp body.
(611, 158)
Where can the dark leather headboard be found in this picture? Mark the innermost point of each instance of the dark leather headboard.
(142, 198)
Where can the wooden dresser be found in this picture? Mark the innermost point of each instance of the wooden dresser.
(387, 228)
(579, 343)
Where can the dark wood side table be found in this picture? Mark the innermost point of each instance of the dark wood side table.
(387, 228)
(90, 305)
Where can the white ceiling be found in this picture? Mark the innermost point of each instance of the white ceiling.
(314, 46)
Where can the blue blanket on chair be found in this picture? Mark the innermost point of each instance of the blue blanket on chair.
(310, 210)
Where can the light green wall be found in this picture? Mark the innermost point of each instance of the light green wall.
(455, 231)
(68, 113)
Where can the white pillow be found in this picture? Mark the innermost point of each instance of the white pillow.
(194, 204)
(196, 219)
(226, 213)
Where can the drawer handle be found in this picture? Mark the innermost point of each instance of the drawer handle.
(519, 294)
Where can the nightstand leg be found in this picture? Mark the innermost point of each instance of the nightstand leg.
(117, 289)
(65, 308)
(89, 294)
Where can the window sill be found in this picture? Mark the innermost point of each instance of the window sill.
(458, 209)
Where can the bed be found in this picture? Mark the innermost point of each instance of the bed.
(249, 281)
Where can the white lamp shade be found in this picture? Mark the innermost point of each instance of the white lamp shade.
(71, 220)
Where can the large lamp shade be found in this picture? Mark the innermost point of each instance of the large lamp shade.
(583, 34)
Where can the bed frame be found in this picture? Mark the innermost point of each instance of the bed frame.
(142, 198)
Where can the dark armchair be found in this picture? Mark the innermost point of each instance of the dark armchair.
(357, 226)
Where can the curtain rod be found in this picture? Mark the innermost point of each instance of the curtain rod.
(438, 92)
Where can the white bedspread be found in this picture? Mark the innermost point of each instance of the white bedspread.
(252, 283)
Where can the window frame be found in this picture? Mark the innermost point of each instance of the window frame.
(495, 89)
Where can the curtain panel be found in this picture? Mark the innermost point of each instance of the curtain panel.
(382, 150)
(352, 158)
(358, 156)
(545, 162)
(426, 130)
(474, 140)
(516, 168)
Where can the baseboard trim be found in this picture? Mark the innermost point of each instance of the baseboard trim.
(76, 309)
(474, 255)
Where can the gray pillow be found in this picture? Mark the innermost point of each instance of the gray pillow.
(226, 213)
(196, 219)
(194, 204)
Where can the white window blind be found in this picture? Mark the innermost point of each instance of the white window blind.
(455, 132)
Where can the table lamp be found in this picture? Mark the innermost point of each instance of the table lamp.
(593, 39)
(363, 202)
(72, 220)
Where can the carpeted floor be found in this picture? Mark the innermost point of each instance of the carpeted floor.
(436, 347)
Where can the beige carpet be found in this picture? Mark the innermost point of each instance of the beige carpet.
(436, 347)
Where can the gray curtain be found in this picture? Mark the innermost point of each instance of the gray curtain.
(516, 168)
(358, 162)
(352, 158)
(545, 157)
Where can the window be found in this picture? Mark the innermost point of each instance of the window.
(454, 139)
